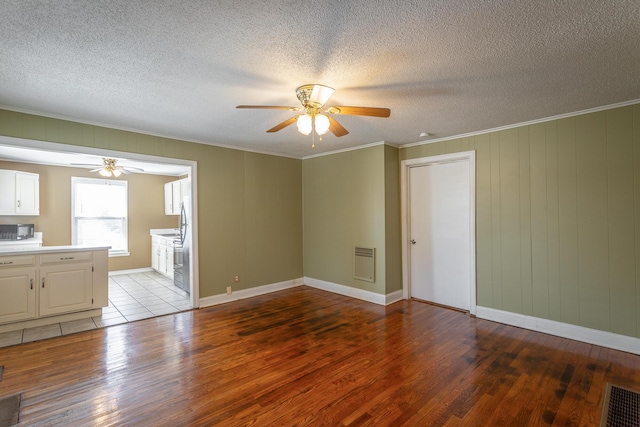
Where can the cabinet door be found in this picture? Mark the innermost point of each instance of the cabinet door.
(169, 261)
(7, 192)
(177, 197)
(162, 258)
(185, 187)
(27, 193)
(155, 253)
(168, 199)
(65, 288)
(18, 294)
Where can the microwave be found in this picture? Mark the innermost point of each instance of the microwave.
(16, 231)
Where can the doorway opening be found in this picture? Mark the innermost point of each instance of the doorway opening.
(55, 154)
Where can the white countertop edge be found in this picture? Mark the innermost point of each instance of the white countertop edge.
(16, 243)
(165, 233)
(50, 249)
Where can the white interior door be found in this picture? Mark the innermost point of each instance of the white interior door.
(439, 233)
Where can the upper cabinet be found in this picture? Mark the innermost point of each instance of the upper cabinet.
(19, 193)
(173, 194)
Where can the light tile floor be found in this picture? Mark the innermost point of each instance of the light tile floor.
(131, 297)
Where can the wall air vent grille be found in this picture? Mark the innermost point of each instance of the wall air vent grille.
(364, 263)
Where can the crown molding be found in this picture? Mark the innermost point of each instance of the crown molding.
(528, 123)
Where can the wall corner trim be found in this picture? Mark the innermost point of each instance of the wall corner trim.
(248, 293)
(560, 329)
(393, 297)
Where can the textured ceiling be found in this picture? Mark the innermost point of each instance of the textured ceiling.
(446, 67)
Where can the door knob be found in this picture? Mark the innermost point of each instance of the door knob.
(413, 242)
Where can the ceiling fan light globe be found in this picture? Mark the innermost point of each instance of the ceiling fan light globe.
(304, 124)
(105, 172)
(116, 173)
(320, 94)
(322, 124)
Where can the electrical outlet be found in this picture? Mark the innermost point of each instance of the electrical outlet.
(228, 290)
(236, 278)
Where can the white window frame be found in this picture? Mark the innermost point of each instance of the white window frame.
(74, 236)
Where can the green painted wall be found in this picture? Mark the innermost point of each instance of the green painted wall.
(249, 205)
(558, 218)
(346, 205)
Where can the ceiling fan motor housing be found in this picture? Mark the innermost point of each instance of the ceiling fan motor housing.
(313, 95)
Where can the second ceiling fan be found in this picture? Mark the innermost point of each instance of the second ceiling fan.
(313, 97)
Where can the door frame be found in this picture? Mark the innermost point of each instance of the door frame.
(405, 167)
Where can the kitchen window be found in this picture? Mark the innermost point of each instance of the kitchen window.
(99, 214)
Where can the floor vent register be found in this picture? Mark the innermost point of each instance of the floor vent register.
(621, 407)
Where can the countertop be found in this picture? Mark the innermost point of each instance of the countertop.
(165, 233)
(36, 240)
(6, 251)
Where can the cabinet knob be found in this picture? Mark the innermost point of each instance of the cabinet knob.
(43, 282)
(31, 283)
(18, 203)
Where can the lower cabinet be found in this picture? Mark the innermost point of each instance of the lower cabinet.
(162, 255)
(50, 284)
(65, 288)
(18, 300)
(155, 253)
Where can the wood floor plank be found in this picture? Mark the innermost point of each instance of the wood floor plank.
(306, 357)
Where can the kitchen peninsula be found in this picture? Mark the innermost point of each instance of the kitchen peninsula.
(51, 284)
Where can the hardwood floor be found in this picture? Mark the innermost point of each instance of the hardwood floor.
(308, 357)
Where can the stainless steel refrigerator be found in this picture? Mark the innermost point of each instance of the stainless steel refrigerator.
(182, 248)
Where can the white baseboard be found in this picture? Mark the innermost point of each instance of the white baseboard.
(248, 293)
(353, 292)
(132, 271)
(565, 330)
(314, 283)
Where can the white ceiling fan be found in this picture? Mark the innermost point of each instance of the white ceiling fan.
(109, 167)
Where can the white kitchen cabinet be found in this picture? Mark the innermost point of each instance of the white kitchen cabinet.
(17, 288)
(66, 282)
(19, 193)
(168, 271)
(185, 188)
(65, 288)
(162, 255)
(155, 253)
(173, 193)
(45, 284)
(168, 199)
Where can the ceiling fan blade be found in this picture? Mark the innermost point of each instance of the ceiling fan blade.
(284, 124)
(270, 107)
(131, 169)
(96, 170)
(86, 165)
(361, 111)
(336, 128)
(125, 171)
